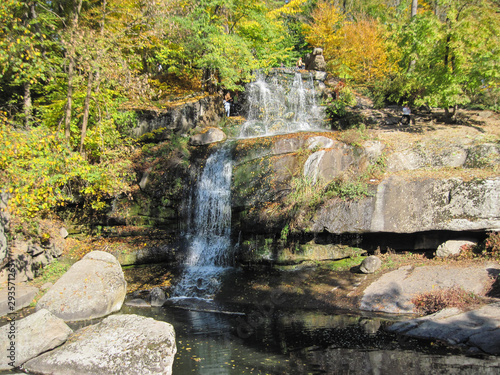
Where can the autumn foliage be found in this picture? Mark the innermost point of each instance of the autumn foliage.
(353, 49)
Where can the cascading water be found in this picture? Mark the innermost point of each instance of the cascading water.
(209, 253)
(281, 103)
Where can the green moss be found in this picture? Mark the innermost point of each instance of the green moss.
(345, 264)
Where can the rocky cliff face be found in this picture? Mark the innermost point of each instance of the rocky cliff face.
(418, 186)
(314, 185)
(204, 111)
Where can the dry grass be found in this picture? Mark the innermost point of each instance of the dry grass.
(436, 300)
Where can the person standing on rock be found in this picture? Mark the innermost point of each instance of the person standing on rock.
(227, 104)
(300, 64)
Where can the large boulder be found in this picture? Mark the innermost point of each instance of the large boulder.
(316, 60)
(370, 264)
(120, 344)
(27, 338)
(394, 291)
(453, 247)
(478, 328)
(93, 287)
(404, 205)
(180, 119)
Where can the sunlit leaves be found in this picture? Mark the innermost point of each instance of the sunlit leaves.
(41, 173)
(454, 54)
(353, 49)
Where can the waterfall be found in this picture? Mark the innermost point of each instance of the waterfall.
(281, 103)
(209, 253)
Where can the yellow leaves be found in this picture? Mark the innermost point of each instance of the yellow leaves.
(291, 7)
(323, 32)
(358, 48)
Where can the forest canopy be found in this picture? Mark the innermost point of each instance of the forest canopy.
(72, 72)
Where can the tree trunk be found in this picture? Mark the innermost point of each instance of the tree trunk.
(28, 108)
(69, 98)
(86, 111)
(71, 66)
(414, 8)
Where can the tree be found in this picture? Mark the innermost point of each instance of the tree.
(353, 49)
(455, 49)
(26, 50)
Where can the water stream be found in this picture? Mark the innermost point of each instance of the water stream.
(209, 235)
(281, 103)
(283, 339)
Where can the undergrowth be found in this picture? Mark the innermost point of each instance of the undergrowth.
(439, 299)
(488, 249)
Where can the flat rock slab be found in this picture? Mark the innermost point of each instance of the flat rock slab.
(477, 328)
(24, 295)
(93, 287)
(119, 345)
(394, 291)
(27, 338)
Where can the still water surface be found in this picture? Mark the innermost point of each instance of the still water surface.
(302, 342)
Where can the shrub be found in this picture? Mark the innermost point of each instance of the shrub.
(40, 172)
(489, 248)
(439, 299)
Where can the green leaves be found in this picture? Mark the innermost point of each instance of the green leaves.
(41, 173)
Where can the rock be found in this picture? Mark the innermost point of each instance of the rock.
(64, 233)
(180, 119)
(157, 297)
(286, 145)
(24, 296)
(315, 252)
(402, 205)
(394, 290)
(478, 328)
(210, 135)
(319, 142)
(93, 287)
(34, 335)
(321, 77)
(453, 156)
(139, 346)
(479, 156)
(331, 163)
(370, 264)
(316, 61)
(453, 247)
(137, 302)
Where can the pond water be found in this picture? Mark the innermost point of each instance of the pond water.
(302, 342)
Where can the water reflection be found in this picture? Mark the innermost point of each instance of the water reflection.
(303, 343)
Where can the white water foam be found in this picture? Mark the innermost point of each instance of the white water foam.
(279, 104)
(209, 254)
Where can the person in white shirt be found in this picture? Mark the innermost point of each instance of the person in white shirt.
(405, 119)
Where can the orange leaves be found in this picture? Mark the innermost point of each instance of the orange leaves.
(355, 50)
(363, 50)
